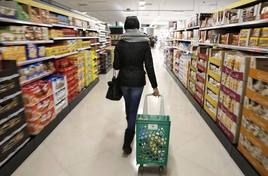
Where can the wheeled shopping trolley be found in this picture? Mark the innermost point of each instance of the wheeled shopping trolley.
(152, 137)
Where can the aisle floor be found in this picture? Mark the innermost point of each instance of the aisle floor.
(88, 142)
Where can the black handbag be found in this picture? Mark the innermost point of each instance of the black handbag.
(114, 91)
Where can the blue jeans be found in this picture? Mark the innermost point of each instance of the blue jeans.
(132, 96)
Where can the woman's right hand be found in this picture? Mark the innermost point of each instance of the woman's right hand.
(156, 92)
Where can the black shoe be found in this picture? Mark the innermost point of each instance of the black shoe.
(129, 135)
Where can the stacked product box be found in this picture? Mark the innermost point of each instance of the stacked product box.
(88, 67)
(60, 92)
(39, 105)
(184, 62)
(192, 73)
(253, 140)
(234, 74)
(94, 64)
(67, 67)
(13, 133)
(213, 82)
(78, 61)
(202, 62)
(176, 60)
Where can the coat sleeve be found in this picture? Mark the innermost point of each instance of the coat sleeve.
(149, 66)
(116, 64)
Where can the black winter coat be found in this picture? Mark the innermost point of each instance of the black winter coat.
(130, 58)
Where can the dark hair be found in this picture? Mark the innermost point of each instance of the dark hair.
(132, 22)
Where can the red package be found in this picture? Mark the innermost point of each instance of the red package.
(36, 92)
(34, 112)
(66, 69)
(36, 126)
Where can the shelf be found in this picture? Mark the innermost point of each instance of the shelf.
(239, 159)
(94, 30)
(214, 75)
(250, 158)
(254, 140)
(93, 44)
(192, 28)
(260, 99)
(213, 88)
(63, 26)
(211, 100)
(26, 42)
(241, 48)
(252, 116)
(72, 38)
(82, 49)
(183, 40)
(11, 165)
(215, 61)
(235, 25)
(15, 21)
(258, 74)
(36, 78)
(34, 60)
(210, 113)
(64, 55)
(178, 30)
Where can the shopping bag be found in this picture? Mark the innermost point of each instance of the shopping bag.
(114, 91)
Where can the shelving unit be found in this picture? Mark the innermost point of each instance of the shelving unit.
(225, 83)
(42, 59)
(239, 159)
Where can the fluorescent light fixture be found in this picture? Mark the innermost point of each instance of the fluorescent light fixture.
(142, 3)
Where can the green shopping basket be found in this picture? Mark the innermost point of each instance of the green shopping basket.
(152, 136)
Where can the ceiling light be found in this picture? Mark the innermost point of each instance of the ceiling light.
(142, 3)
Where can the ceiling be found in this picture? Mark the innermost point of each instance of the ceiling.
(155, 11)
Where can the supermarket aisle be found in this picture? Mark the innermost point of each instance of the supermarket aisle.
(88, 142)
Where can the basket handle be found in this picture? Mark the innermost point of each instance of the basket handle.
(145, 105)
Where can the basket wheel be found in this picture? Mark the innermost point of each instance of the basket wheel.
(141, 170)
(161, 169)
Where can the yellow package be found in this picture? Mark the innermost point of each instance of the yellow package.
(263, 42)
(17, 53)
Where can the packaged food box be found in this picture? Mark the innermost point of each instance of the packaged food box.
(263, 42)
(245, 33)
(264, 10)
(11, 143)
(61, 105)
(250, 13)
(9, 85)
(22, 12)
(32, 51)
(264, 32)
(35, 14)
(58, 82)
(41, 51)
(243, 42)
(12, 122)
(36, 92)
(8, 9)
(35, 126)
(256, 32)
(38, 109)
(60, 95)
(253, 41)
(17, 53)
(10, 104)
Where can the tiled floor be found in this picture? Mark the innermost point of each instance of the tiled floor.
(88, 142)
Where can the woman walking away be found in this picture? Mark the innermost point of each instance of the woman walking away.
(131, 54)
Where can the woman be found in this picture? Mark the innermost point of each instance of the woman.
(131, 54)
